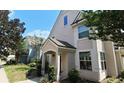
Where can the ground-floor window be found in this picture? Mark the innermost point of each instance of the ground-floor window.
(85, 60)
(103, 62)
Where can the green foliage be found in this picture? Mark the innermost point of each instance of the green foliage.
(122, 74)
(32, 64)
(106, 25)
(73, 75)
(21, 47)
(111, 80)
(11, 31)
(11, 62)
(38, 67)
(32, 73)
(35, 65)
(51, 73)
(44, 79)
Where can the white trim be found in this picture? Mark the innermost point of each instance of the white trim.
(85, 50)
(83, 38)
(43, 64)
(49, 50)
(58, 66)
(88, 50)
(67, 48)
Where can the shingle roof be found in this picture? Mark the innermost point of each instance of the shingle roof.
(61, 43)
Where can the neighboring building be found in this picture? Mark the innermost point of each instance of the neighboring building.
(33, 45)
(68, 47)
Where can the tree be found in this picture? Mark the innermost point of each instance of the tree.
(21, 49)
(105, 25)
(11, 31)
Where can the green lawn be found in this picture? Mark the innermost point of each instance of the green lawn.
(16, 72)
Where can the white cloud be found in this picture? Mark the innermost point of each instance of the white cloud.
(39, 33)
(12, 12)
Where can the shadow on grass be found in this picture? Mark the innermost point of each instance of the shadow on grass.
(33, 75)
(22, 69)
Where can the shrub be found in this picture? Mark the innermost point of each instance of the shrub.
(31, 73)
(51, 73)
(38, 67)
(122, 74)
(44, 79)
(36, 64)
(32, 64)
(73, 75)
(11, 62)
(113, 80)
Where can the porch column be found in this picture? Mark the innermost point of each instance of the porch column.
(43, 64)
(58, 67)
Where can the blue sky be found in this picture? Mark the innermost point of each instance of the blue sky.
(38, 22)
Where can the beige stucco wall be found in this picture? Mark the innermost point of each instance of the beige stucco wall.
(64, 64)
(89, 75)
(71, 60)
(110, 59)
(119, 61)
(49, 46)
(95, 47)
(52, 58)
(67, 62)
(70, 34)
(62, 32)
(100, 48)
(67, 57)
(84, 44)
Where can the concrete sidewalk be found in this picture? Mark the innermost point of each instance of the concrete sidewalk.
(3, 77)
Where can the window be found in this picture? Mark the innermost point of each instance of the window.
(103, 62)
(65, 20)
(85, 61)
(83, 31)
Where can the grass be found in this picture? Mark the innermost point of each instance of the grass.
(113, 80)
(17, 72)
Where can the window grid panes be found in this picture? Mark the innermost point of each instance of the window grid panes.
(83, 31)
(103, 62)
(85, 61)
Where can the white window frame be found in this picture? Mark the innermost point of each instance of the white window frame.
(81, 32)
(85, 60)
(102, 61)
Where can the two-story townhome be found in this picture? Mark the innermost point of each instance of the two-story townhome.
(68, 46)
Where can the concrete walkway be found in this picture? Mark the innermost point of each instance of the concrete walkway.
(3, 77)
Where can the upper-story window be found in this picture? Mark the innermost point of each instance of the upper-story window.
(83, 31)
(65, 20)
